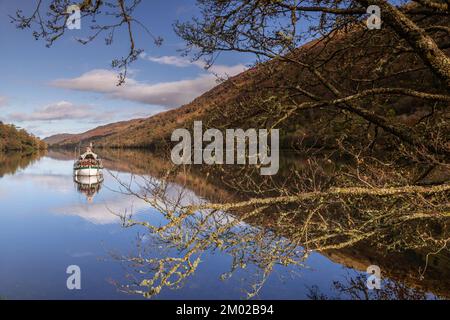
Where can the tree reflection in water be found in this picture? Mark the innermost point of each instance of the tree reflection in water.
(189, 231)
(354, 287)
(11, 162)
(265, 232)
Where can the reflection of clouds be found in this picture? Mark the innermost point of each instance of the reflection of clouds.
(115, 203)
(3, 192)
(186, 196)
(105, 212)
(176, 193)
(57, 179)
(138, 184)
(49, 166)
(55, 176)
(60, 183)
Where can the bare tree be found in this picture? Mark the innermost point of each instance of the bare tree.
(371, 177)
(274, 29)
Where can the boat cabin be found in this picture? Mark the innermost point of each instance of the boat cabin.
(88, 155)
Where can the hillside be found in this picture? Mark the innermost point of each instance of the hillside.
(254, 99)
(91, 135)
(14, 139)
(57, 138)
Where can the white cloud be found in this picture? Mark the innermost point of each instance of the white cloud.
(169, 60)
(218, 69)
(62, 110)
(97, 80)
(167, 94)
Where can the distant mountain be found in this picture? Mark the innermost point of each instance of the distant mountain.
(96, 134)
(57, 138)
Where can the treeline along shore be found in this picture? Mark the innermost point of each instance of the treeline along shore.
(13, 138)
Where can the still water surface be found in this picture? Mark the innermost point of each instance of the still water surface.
(48, 222)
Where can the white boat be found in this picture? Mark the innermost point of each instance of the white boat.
(88, 164)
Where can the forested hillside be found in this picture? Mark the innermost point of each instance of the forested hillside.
(372, 68)
(15, 139)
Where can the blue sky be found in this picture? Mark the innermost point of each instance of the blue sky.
(71, 88)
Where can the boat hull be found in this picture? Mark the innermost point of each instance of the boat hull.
(91, 171)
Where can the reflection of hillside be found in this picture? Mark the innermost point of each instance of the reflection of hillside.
(10, 162)
(397, 263)
(147, 163)
(206, 183)
(405, 267)
(61, 154)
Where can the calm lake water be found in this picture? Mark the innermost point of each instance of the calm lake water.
(48, 222)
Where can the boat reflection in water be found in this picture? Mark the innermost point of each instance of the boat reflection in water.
(89, 185)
